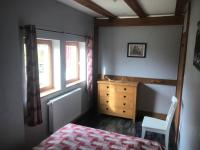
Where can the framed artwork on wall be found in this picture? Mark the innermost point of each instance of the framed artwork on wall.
(136, 50)
(196, 61)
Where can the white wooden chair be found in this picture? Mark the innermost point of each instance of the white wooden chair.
(158, 125)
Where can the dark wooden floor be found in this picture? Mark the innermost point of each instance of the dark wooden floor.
(120, 125)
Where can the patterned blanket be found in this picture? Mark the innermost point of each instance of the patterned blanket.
(76, 137)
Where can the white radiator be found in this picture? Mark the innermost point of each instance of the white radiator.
(64, 109)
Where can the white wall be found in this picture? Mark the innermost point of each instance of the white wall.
(161, 60)
(190, 120)
(47, 14)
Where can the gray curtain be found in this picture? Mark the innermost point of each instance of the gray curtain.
(89, 47)
(33, 109)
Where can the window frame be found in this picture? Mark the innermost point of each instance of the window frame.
(73, 43)
(51, 69)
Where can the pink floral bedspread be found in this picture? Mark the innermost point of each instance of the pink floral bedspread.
(76, 137)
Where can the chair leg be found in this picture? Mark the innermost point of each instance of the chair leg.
(166, 141)
(143, 133)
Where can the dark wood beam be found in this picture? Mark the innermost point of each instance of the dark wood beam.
(135, 6)
(93, 6)
(148, 21)
(181, 69)
(180, 7)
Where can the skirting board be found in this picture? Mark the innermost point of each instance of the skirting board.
(141, 114)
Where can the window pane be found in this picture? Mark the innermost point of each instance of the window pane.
(72, 60)
(44, 65)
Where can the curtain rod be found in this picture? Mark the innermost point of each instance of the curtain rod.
(41, 29)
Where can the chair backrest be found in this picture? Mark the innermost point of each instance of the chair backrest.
(171, 111)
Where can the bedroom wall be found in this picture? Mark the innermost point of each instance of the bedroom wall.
(47, 14)
(161, 60)
(190, 120)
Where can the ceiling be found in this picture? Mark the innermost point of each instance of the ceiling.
(80, 7)
(121, 9)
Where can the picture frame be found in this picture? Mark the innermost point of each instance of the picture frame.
(196, 60)
(136, 50)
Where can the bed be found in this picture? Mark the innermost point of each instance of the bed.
(77, 137)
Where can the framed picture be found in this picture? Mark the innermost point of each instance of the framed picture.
(136, 50)
(196, 61)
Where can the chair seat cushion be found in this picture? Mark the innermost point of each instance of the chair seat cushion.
(153, 123)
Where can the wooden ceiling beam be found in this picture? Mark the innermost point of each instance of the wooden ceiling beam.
(148, 21)
(93, 6)
(180, 7)
(135, 6)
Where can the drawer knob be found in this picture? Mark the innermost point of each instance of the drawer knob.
(107, 94)
(124, 104)
(124, 111)
(107, 87)
(107, 101)
(106, 108)
(124, 89)
(124, 96)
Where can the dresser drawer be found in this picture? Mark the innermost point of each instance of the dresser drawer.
(105, 94)
(105, 109)
(106, 87)
(123, 96)
(104, 101)
(125, 105)
(125, 89)
(126, 113)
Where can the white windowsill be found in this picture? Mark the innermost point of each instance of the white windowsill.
(48, 92)
(74, 83)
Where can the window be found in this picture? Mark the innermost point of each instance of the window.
(45, 64)
(50, 62)
(72, 52)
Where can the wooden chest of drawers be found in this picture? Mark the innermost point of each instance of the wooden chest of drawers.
(117, 98)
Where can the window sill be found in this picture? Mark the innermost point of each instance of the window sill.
(48, 92)
(74, 83)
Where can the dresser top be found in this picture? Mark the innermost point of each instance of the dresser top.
(118, 82)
